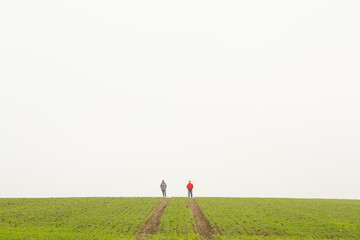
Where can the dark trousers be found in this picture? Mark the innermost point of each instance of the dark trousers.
(190, 193)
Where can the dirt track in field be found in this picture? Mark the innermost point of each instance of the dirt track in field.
(152, 224)
(203, 225)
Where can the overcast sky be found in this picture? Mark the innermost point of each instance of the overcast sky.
(245, 98)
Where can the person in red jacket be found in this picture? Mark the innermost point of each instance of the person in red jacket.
(190, 187)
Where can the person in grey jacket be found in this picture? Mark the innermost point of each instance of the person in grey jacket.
(163, 188)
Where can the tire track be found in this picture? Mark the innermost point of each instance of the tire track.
(152, 224)
(203, 225)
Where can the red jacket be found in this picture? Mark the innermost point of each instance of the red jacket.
(190, 186)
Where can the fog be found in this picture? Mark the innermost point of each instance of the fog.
(244, 98)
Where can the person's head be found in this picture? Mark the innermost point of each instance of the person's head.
(163, 180)
(189, 181)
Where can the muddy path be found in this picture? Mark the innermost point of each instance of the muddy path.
(203, 225)
(152, 224)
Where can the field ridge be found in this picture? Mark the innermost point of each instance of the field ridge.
(203, 225)
(152, 224)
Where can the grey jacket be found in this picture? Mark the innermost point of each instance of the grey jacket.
(163, 186)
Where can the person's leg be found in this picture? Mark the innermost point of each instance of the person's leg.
(165, 193)
(188, 193)
(191, 193)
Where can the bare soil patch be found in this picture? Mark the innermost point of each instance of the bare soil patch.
(152, 224)
(203, 225)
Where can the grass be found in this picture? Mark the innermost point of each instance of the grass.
(259, 218)
(232, 218)
(177, 221)
(73, 218)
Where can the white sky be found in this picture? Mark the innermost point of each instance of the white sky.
(245, 98)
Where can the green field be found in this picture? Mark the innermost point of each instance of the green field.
(283, 218)
(177, 220)
(231, 218)
(73, 218)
